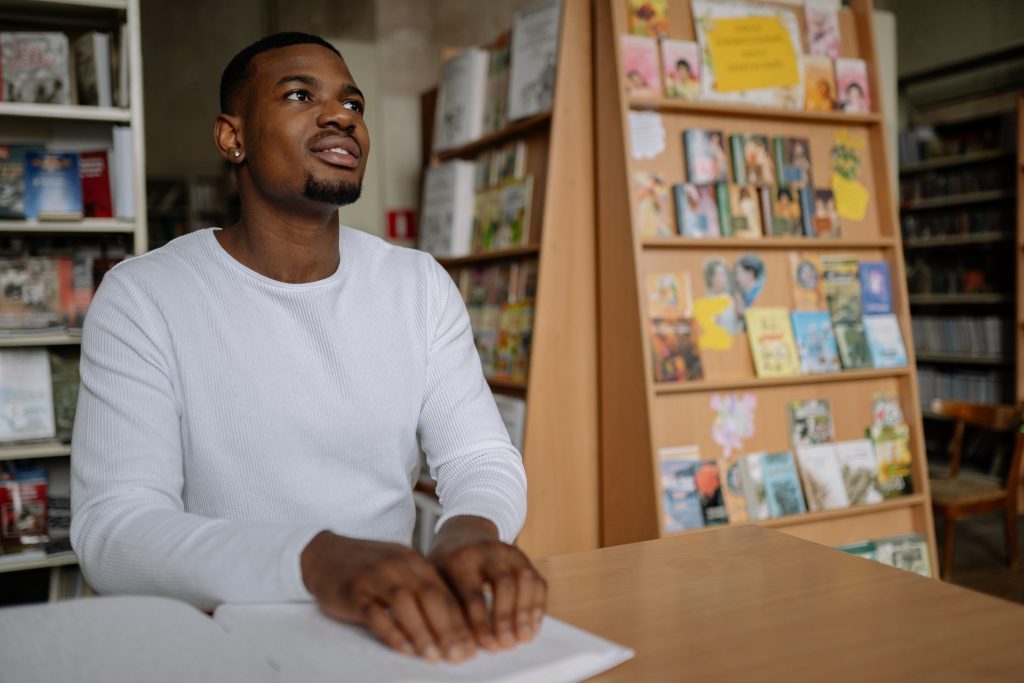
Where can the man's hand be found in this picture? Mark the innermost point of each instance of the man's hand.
(470, 557)
(390, 589)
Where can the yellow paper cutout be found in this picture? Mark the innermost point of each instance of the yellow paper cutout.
(857, 143)
(710, 314)
(851, 198)
(752, 52)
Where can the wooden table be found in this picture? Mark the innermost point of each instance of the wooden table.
(749, 603)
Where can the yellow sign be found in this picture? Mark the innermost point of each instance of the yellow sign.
(851, 198)
(752, 52)
(715, 316)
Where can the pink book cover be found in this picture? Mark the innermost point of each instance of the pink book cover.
(823, 39)
(852, 86)
(640, 66)
(680, 60)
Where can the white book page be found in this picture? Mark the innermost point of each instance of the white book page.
(534, 59)
(305, 645)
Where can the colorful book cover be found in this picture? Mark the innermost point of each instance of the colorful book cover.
(640, 66)
(860, 471)
(815, 342)
(696, 210)
(885, 341)
(653, 211)
(511, 355)
(793, 161)
(826, 214)
(819, 84)
(737, 151)
(782, 484)
(731, 476)
(842, 288)
(674, 350)
(865, 549)
(669, 295)
(854, 351)
(875, 292)
(787, 218)
(30, 297)
(806, 195)
(823, 37)
(805, 270)
(27, 391)
(822, 478)
(752, 477)
(810, 423)
(514, 226)
(680, 61)
(757, 158)
(486, 220)
(771, 342)
(680, 500)
(745, 211)
(648, 17)
(706, 160)
(908, 552)
(95, 170)
(53, 186)
(12, 179)
(852, 86)
(496, 99)
(23, 511)
(66, 382)
(725, 225)
(892, 448)
(709, 489)
(35, 67)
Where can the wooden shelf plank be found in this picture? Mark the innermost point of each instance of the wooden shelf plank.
(87, 225)
(499, 255)
(55, 560)
(682, 106)
(958, 299)
(506, 383)
(513, 130)
(957, 240)
(55, 339)
(956, 200)
(960, 359)
(810, 517)
(98, 4)
(43, 449)
(959, 160)
(765, 243)
(68, 112)
(760, 383)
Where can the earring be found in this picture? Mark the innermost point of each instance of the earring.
(237, 153)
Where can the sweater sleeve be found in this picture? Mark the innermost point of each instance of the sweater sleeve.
(478, 471)
(129, 527)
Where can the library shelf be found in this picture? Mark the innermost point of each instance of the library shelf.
(766, 243)
(507, 384)
(682, 106)
(953, 161)
(84, 226)
(941, 241)
(959, 299)
(97, 4)
(61, 559)
(961, 359)
(52, 339)
(42, 449)
(487, 257)
(516, 129)
(70, 112)
(765, 382)
(809, 517)
(956, 200)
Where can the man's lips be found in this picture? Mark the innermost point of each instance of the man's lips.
(337, 150)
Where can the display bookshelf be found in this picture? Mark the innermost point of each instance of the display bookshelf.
(560, 451)
(639, 416)
(73, 128)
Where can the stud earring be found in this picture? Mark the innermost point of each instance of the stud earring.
(237, 153)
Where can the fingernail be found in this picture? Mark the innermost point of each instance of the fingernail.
(506, 637)
(488, 641)
(525, 632)
(432, 653)
(538, 615)
(407, 649)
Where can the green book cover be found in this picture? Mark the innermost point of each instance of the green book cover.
(724, 212)
(778, 148)
(739, 162)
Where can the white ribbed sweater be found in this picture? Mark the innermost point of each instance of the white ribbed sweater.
(225, 418)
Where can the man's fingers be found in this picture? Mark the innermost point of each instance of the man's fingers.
(470, 591)
(540, 602)
(525, 590)
(444, 617)
(503, 585)
(380, 621)
(405, 610)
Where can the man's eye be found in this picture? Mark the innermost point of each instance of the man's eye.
(299, 96)
(354, 105)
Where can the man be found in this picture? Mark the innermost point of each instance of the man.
(254, 399)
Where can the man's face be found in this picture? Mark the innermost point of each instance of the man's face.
(305, 135)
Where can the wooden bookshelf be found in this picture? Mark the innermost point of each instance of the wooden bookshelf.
(43, 449)
(29, 340)
(88, 226)
(960, 299)
(639, 416)
(944, 241)
(512, 131)
(65, 112)
(62, 559)
(956, 200)
(960, 359)
(954, 161)
(490, 256)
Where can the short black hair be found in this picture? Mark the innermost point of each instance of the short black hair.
(239, 69)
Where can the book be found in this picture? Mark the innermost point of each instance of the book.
(725, 225)
(680, 61)
(669, 295)
(908, 552)
(793, 161)
(815, 342)
(819, 84)
(65, 378)
(865, 549)
(534, 59)
(854, 351)
(674, 350)
(514, 226)
(782, 484)
(459, 116)
(487, 219)
(706, 161)
(771, 342)
(822, 478)
(823, 36)
(124, 173)
(860, 471)
(26, 395)
(875, 292)
(885, 341)
(737, 152)
(34, 67)
(640, 65)
(94, 169)
(752, 477)
(515, 333)
(496, 93)
(826, 214)
(653, 214)
(696, 210)
(744, 211)
(12, 179)
(892, 448)
(709, 490)
(53, 186)
(806, 196)
(122, 93)
(841, 285)
(447, 215)
(680, 499)
(787, 218)
(648, 18)
(92, 69)
(733, 494)
(23, 511)
(757, 158)
(805, 271)
(810, 423)
(30, 296)
(852, 86)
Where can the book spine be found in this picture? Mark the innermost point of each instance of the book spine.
(781, 175)
(724, 213)
(739, 164)
(807, 210)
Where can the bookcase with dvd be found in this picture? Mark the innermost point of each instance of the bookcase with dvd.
(508, 209)
(765, 204)
(72, 203)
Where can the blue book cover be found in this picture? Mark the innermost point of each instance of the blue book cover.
(782, 484)
(885, 341)
(53, 187)
(816, 342)
(680, 497)
(875, 292)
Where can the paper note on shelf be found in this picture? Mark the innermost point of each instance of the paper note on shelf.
(752, 52)
(647, 133)
(305, 645)
(851, 198)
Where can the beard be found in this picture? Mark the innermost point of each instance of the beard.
(340, 193)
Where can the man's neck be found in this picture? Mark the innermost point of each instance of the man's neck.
(292, 251)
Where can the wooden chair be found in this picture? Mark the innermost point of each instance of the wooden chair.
(955, 497)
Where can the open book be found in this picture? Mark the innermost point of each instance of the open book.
(157, 639)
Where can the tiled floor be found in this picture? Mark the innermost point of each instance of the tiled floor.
(979, 557)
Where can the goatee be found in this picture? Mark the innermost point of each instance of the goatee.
(339, 193)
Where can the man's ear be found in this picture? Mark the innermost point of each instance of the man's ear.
(227, 135)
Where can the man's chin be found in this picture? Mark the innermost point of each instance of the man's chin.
(335, 193)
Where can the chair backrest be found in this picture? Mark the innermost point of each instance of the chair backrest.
(992, 417)
(1016, 478)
